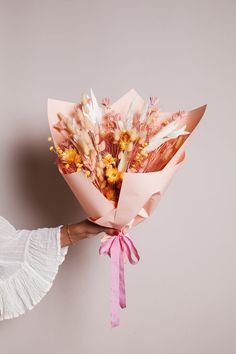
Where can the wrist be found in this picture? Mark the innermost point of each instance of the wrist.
(65, 240)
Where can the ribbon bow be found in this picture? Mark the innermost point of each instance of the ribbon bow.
(117, 247)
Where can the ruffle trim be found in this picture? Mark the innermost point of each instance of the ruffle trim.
(32, 281)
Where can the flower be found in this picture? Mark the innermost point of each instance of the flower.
(104, 144)
(125, 140)
(113, 175)
(108, 160)
(70, 156)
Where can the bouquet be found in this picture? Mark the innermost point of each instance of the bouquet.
(118, 159)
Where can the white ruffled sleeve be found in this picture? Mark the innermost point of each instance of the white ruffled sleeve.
(29, 262)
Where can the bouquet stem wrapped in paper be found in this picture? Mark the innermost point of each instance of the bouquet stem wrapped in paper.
(118, 159)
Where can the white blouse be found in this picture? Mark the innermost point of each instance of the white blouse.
(29, 262)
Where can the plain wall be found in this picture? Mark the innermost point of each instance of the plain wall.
(182, 295)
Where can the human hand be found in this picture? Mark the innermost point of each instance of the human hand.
(72, 234)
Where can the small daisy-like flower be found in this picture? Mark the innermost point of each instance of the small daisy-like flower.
(70, 156)
(124, 140)
(113, 175)
(108, 160)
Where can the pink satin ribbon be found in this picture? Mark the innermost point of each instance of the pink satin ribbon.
(116, 247)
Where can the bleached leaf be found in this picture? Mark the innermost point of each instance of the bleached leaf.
(168, 132)
(167, 129)
(176, 133)
(123, 162)
(129, 116)
(91, 110)
(95, 109)
(144, 112)
(120, 124)
(87, 111)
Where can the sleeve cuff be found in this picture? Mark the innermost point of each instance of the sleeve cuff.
(34, 278)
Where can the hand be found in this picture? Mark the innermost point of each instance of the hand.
(81, 230)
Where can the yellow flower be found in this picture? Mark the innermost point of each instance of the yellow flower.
(108, 160)
(124, 140)
(70, 156)
(113, 175)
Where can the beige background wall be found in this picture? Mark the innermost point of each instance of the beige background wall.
(182, 295)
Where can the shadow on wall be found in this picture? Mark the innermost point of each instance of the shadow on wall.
(43, 188)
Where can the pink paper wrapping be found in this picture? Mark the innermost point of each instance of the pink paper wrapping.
(139, 195)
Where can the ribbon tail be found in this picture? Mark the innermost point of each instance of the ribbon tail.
(115, 283)
(122, 294)
(116, 247)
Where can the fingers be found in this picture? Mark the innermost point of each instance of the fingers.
(94, 228)
(89, 229)
(110, 231)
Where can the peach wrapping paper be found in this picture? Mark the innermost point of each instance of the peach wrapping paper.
(139, 195)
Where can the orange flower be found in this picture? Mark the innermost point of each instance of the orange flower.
(113, 175)
(70, 156)
(126, 139)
